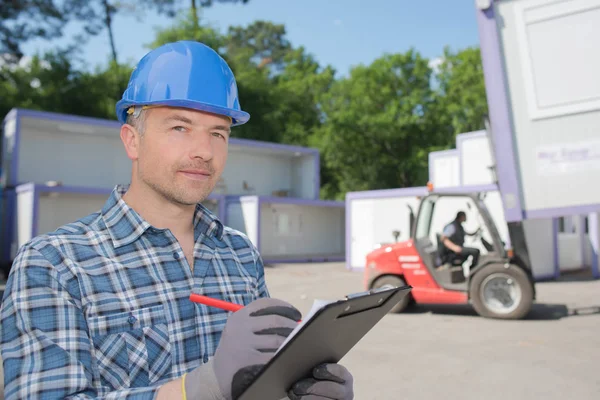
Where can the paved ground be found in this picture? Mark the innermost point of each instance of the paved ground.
(451, 353)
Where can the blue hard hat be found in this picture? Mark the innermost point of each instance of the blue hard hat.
(183, 74)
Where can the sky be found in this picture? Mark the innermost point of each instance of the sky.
(340, 33)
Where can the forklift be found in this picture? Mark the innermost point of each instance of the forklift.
(500, 286)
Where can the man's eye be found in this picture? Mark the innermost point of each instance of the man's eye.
(218, 134)
(179, 128)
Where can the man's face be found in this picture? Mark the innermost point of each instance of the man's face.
(182, 153)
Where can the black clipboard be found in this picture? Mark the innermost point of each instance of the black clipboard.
(330, 334)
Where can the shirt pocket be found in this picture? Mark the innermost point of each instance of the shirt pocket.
(240, 291)
(132, 348)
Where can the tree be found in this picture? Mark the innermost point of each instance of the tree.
(50, 82)
(300, 87)
(101, 13)
(22, 21)
(207, 3)
(375, 134)
(25, 20)
(263, 42)
(281, 85)
(462, 97)
(166, 7)
(261, 58)
(109, 11)
(184, 28)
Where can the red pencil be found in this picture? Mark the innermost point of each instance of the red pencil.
(222, 304)
(209, 301)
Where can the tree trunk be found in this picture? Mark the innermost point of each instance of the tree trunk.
(108, 10)
(195, 15)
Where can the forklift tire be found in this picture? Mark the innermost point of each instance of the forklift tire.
(394, 281)
(489, 287)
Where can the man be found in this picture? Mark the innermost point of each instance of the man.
(453, 238)
(100, 308)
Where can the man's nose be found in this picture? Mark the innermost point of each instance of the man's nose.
(201, 146)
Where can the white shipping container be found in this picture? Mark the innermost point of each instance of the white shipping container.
(444, 168)
(269, 169)
(373, 216)
(290, 230)
(40, 209)
(476, 159)
(88, 152)
(540, 63)
(541, 239)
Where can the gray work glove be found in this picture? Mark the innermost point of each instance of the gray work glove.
(249, 340)
(329, 382)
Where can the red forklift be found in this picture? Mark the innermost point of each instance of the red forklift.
(500, 286)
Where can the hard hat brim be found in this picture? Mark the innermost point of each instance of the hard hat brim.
(238, 117)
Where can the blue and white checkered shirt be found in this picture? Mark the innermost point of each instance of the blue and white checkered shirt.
(100, 308)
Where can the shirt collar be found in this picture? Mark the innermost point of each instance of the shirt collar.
(125, 225)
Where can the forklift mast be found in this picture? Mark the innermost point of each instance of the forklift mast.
(516, 231)
(518, 243)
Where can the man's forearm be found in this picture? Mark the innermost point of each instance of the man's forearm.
(448, 243)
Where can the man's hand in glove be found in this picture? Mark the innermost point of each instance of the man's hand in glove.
(329, 382)
(249, 340)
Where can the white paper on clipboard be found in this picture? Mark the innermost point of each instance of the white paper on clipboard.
(317, 305)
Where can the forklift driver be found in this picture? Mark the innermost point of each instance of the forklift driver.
(453, 238)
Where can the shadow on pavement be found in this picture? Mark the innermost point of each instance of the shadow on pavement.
(539, 311)
(559, 311)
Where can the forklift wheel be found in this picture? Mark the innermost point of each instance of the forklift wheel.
(501, 292)
(394, 281)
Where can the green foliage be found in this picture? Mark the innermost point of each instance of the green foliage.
(51, 83)
(301, 86)
(462, 90)
(184, 29)
(375, 135)
(264, 43)
(374, 128)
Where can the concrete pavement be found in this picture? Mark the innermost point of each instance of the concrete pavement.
(451, 353)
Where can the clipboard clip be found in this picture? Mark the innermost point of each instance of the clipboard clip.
(384, 288)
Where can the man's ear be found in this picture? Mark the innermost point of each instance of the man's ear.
(131, 141)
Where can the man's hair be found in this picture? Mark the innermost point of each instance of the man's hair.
(139, 122)
(460, 214)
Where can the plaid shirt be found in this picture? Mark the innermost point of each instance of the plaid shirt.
(100, 308)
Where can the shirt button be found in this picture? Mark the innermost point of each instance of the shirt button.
(176, 255)
(205, 358)
(132, 319)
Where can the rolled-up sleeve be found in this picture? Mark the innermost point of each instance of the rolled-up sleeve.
(449, 230)
(46, 348)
